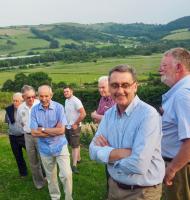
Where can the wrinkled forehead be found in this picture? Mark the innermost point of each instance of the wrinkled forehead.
(29, 93)
(17, 99)
(103, 83)
(120, 77)
(67, 90)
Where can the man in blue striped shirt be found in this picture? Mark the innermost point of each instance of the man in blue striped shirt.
(48, 124)
(175, 73)
(128, 140)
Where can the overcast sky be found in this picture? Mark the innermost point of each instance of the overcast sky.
(27, 12)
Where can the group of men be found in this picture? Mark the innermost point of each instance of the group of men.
(39, 126)
(141, 147)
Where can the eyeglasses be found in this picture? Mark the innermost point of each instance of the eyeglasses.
(122, 85)
(31, 97)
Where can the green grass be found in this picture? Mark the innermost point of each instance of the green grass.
(182, 34)
(88, 185)
(87, 72)
(23, 38)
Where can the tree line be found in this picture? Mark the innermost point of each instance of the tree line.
(150, 91)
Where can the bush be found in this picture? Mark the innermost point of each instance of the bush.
(5, 99)
(89, 97)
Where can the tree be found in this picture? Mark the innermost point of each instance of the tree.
(8, 86)
(54, 44)
(34, 79)
(20, 80)
(39, 78)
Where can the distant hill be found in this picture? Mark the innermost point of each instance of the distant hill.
(147, 38)
(111, 31)
(180, 23)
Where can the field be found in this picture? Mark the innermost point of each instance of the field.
(88, 185)
(181, 34)
(88, 72)
(23, 41)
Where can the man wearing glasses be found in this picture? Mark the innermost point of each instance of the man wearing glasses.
(24, 117)
(128, 141)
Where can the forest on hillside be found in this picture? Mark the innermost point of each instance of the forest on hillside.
(82, 42)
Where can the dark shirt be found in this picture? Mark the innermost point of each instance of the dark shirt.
(104, 104)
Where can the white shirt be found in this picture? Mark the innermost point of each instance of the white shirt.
(72, 105)
(24, 115)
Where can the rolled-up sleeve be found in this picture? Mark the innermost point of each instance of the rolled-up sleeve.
(98, 153)
(33, 122)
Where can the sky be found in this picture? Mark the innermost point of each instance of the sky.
(34, 12)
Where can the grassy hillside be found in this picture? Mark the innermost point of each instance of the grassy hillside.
(181, 34)
(20, 40)
(89, 71)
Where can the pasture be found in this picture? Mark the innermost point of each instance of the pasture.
(88, 72)
(181, 34)
(88, 185)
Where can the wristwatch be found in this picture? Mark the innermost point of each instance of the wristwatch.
(43, 129)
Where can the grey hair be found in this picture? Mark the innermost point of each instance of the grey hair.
(103, 78)
(26, 88)
(19, 95)
(45, 86)
(124, 68)
(181, 55)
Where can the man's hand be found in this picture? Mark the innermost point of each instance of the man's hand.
(74, 126)
(169, 176)
(101, 141)
(39, 133)
(94, 116)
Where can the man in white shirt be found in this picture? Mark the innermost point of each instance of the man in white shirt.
(75, 113)
(24, 117)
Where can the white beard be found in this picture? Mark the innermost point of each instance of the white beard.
(163, 78)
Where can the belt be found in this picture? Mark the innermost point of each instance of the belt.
(133, 187)
(170, 159)
(28, 133)
(167, 159)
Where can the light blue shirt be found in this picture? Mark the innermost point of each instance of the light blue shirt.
(139, 128)
(176, 117)
(49, 118)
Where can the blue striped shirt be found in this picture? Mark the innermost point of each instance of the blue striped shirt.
(138, 128)
(49, 118)
(176, 117)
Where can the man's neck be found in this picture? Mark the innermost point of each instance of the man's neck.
(70, 97)
(121, 109)
(29, 106)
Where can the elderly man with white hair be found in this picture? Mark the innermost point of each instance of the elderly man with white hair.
(16, 134)
(105, 102)
(48, 125)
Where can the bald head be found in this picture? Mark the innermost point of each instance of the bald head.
(46, 88)
(45, 94)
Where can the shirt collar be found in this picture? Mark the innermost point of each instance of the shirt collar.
(184, 82)
(130, 107)
(51, 106)
(107, 98)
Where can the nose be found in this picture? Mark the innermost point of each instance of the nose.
(120, 90)
(160, 70)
